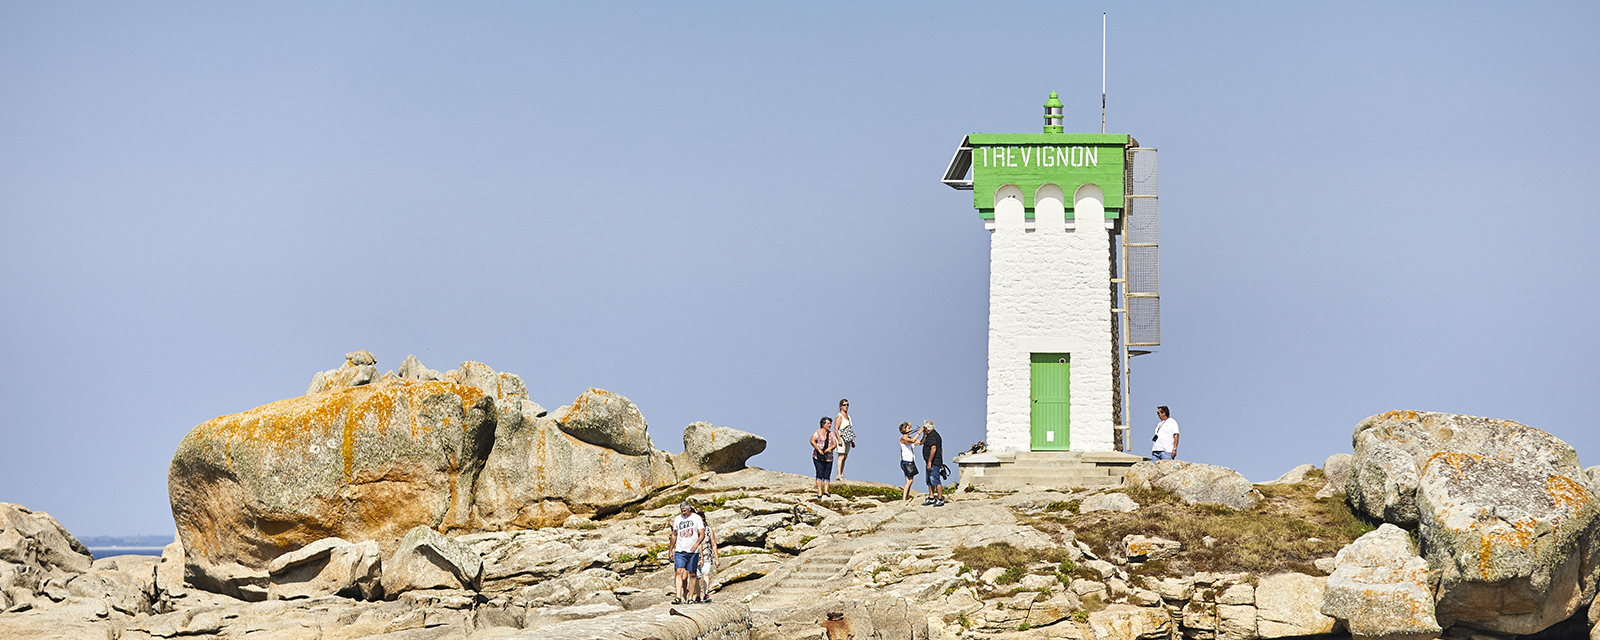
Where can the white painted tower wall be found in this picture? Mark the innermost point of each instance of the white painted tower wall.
(1050, 292)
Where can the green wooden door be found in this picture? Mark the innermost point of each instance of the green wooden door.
(1050, 374)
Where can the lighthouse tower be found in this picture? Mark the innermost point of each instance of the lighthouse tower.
(1058, 208)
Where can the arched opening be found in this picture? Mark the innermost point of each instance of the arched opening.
(1049, 209)
(1008, 210)
(1088, 207)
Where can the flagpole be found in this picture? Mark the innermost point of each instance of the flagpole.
(1102, 72)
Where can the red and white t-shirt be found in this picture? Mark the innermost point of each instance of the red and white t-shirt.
(687, 528)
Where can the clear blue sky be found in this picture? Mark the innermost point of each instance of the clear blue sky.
(732, 213)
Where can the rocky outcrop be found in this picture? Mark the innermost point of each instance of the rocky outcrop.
(719, 449)
(1290, 604)
(327, 567)
(537, 474)
(125, 583)
(360, 463)
(367, 458)
(1137, 548)
(1195, 483)
(428, 560)
(1379, 588)
(1108, 502)
(38, 558)
(1335, 471)
(1507, 517)
(1293, 476)
(38, 541)
(605, 419)
(359, 369)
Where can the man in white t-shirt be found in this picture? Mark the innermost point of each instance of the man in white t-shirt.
(1166, 439)
(688, 532)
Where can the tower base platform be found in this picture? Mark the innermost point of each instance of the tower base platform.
(1045, 469)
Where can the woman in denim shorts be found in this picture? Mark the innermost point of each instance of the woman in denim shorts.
(908, 457)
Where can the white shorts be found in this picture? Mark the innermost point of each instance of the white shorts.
(843, 448)
(706, 558)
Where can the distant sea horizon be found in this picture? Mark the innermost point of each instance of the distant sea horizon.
(140, 545)
(107, 552)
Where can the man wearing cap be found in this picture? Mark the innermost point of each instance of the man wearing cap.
(688, 532)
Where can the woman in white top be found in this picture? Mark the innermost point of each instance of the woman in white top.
(908, 457)
(708, 556)
(847, 436)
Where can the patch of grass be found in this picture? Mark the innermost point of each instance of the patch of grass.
(1023, 627)
(1085, 573)
(653, 554)
(1315, 473)
(804, 540)
(963, 569)
(740, 551)
(1091, 604)
(1274, 536)
(852, 491)
(964, 622)
(1070, 506)
(624, 558)
(1345, 519)
(1080, 616)
(879, 569)
(1067, 567)
(1011, 575)
(722, 500)
(1001, 554)
(1152, 496)
(588, 526)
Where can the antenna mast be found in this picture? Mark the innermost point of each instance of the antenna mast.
(1102, 72)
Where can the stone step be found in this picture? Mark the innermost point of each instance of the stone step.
(1090, 457)
(1045, 481)
(832, 561)
(818, 571)
(1034, 468)
(1053, 471)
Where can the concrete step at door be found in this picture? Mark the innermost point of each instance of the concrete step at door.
(1047, 481)
(1037, 469)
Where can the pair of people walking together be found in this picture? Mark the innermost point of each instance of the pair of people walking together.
(694, 551)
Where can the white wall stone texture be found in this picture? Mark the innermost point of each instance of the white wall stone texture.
(1049, 292)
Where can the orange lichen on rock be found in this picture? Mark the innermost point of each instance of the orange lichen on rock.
(1518, 536)
(1455, 459)
(582, 402)
(308, 420)
(1410, 416)
(1566, 493)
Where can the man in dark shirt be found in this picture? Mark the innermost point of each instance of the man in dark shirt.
(933, 454)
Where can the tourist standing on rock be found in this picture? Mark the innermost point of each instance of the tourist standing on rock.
(1166, 438)
(908, 457)
(823, 442)
(846, 435)
(933, 454)
(688, 534)
(708, 557)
